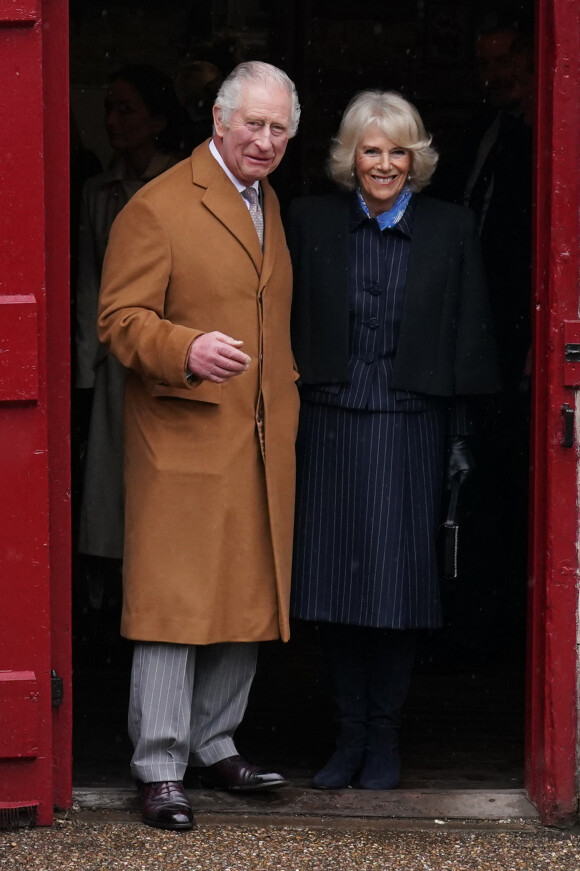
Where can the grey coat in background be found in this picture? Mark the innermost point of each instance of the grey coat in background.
(101, 529)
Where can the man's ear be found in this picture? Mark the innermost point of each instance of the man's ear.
(218, 124)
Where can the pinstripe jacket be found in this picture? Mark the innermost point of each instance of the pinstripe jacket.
(446, 346)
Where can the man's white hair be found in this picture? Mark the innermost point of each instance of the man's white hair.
(229, 97)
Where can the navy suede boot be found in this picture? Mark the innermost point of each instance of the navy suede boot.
(391, 657)
(345, 649)
(382, 768)
(346, 761)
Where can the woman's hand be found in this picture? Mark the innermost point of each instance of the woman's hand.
(460, 461)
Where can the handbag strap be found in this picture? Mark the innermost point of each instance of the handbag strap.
(452, 509)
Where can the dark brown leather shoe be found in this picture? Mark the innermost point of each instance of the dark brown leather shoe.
(165, 805)
(237, 775)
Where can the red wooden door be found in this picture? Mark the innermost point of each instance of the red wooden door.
(35, 756)
(552, 658)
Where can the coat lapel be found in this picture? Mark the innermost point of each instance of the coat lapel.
(224, 201)
(272, 231)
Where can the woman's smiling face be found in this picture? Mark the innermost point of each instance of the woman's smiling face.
(382, 168)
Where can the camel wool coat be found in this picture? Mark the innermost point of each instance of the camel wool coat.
(208, 512)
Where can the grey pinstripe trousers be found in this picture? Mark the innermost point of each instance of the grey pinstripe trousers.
(186, 701)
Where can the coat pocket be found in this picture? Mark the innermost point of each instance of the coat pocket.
(201, 391)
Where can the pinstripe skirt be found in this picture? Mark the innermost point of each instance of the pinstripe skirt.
(367, 509)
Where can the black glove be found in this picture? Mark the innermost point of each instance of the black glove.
(460, 461)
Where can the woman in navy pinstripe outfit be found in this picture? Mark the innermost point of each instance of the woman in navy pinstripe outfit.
(391, 332)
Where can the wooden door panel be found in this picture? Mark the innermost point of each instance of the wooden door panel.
(27, 411)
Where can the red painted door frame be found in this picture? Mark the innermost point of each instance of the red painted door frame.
(35, 746)
(56, 84)
(551, 729)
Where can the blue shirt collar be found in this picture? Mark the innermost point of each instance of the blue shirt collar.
(404, 222)
(391, 217)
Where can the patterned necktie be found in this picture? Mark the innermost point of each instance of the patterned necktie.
(251, 195)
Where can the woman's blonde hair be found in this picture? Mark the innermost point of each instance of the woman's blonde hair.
(394, 116)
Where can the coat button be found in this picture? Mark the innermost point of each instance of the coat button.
(370, 358)
(373, 323)
(374, 289)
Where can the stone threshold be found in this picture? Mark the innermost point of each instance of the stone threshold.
(435, 804)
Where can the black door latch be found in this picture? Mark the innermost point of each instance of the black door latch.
(568, 426)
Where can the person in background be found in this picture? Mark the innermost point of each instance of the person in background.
(465, 178)
(499, 493)
(84, 164)
(391, 333)
(492, 174)
(494, 66)
(195, 301)
(197, 84)
(145, 125)
(522, 57)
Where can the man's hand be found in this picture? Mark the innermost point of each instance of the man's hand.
(216, 357)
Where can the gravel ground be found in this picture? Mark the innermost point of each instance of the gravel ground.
(80, 845)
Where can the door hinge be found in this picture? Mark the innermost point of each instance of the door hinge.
(57, 689)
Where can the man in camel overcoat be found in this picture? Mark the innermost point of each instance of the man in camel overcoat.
(195, 302)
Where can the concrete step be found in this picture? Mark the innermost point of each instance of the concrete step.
(436, 804)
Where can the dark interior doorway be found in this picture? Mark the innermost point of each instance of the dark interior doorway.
(464, 721)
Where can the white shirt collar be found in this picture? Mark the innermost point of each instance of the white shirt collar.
(240, 186)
